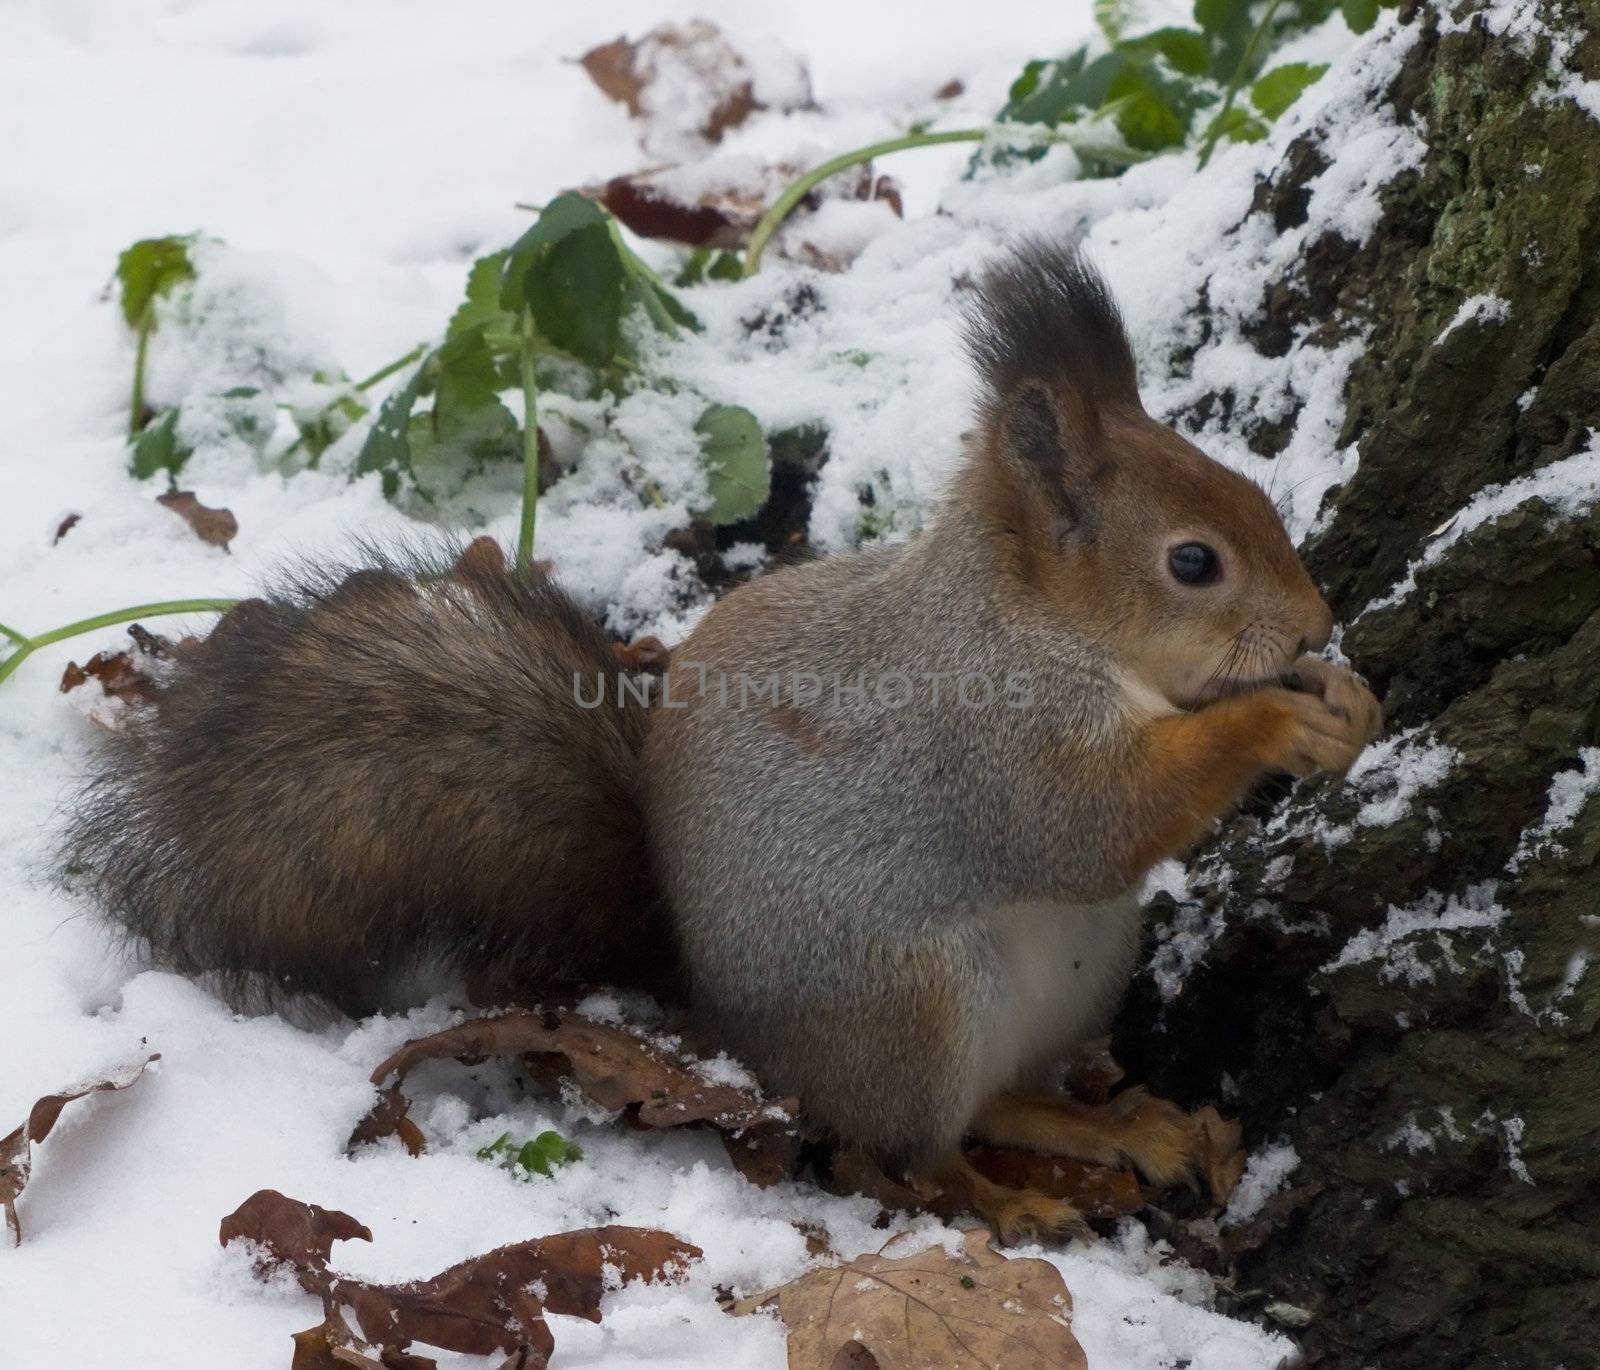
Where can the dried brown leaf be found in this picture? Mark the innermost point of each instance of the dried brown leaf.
(215, 526)
(1091, 1072)
(16, 1149)
(1222, 1154)
(291, 1235)
(975, 1310)
(621, 1071)
(119, 676)
(476, 1307)
(389, 1117)
(702, 76)
(722, 212)
(856, 1172)
(1096, 1191)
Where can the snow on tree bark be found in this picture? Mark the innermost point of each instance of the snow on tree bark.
(1400, 974)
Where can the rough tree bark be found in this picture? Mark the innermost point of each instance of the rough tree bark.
(1440, 1085)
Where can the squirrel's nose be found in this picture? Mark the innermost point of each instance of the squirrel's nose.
(1318, 636)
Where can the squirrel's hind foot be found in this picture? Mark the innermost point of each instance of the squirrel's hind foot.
(1014, 1215)
(1162, 1142)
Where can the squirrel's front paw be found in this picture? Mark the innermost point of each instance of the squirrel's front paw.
(1326, 722)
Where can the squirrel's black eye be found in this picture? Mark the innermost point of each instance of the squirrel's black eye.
(1193, 563)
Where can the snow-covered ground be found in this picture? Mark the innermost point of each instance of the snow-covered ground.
(356, 156)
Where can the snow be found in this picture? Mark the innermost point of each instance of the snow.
(1388, 776)
(1397, 944)
(1479, 309)
(1569, 486)
(1265, 1173)
(1568, 794)
(354, 159)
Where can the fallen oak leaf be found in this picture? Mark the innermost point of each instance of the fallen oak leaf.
(16, 1149)
(973, 1310)
(492, 1302)
(1222, 1153)
(622, 1072)
(215, 526)
(389, 1117)
(291, 1235)
(687, 83)
(717, 204)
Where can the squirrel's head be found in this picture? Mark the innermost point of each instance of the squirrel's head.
(1178, 566)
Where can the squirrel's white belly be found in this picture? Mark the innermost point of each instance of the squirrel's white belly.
(1068, 966)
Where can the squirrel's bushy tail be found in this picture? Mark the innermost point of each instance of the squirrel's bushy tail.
(377, 769)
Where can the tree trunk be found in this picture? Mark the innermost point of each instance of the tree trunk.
(1400, 974)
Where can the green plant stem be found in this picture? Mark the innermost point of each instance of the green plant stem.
(384, 372)
(27, 646)
(530, 443)
(1236, 81)
(381, 374)
(141, 352)
(783, 206)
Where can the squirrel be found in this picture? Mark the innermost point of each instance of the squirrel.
(885, 821)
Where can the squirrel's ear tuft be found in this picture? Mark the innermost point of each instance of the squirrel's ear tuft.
(1043, 316)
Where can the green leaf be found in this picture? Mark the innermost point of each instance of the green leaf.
(158, 448)
(388, 445)
(1227, 25)
(1153, 111)
(705, 265)
(738, 471)
(545, 1152)
(1237, 125)
(149, 270)
(1360, 15)
(1048, 92)
(469, 423)
(1149, 123)
(575, 292)
(320, 428)
(1282, 86)
(1113, 17)
(563, 215)
(482, 307)
(500, 1146)
(1186, 49)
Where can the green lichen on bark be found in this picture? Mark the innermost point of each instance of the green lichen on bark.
(1445, 1090)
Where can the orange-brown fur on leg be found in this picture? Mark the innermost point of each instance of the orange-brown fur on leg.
(1015, 1215)
(1158, 1138)
(1197, 766)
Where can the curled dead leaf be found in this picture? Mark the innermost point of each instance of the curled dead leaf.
(622, 1071)
(717, 204)
(291, 1235)
(1222, 1153)
(16, 1148)
(215, 526)
(126, 678)
(687, 82)
(974, 1309)
(389, 1117)
(493, 1302)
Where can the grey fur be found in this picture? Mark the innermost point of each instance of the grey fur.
(835, 876)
